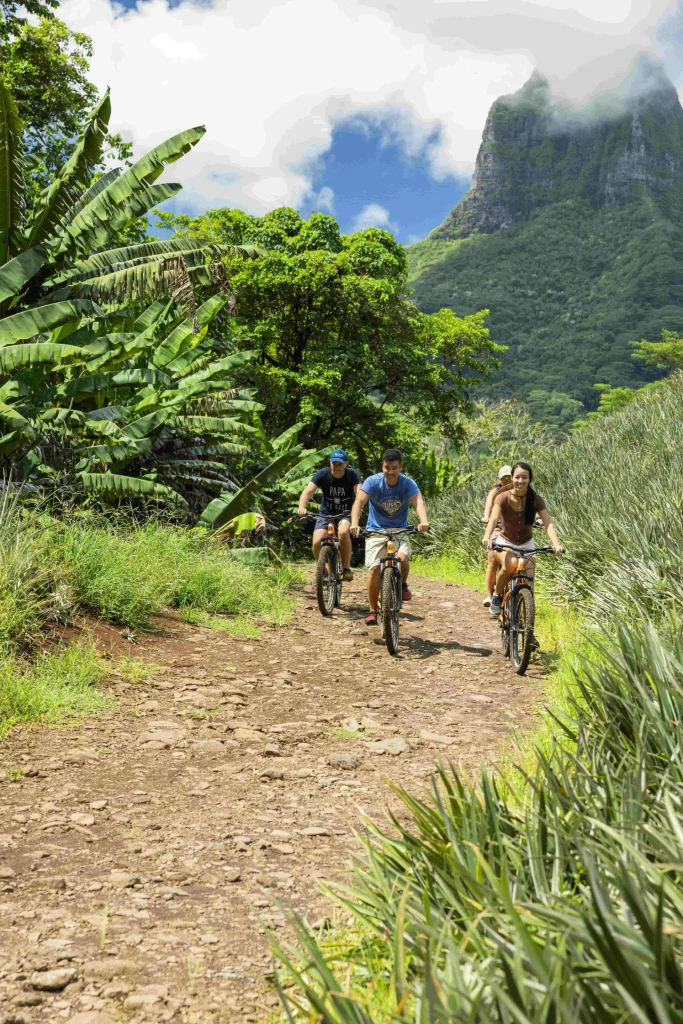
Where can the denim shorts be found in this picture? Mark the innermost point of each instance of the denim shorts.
(321, 522)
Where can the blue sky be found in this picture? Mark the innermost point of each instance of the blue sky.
(364, 170)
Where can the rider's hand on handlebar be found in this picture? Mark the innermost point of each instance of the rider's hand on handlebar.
(422, 527)
(558, 549)
(355, 531)
(486, 543)
(302, 511)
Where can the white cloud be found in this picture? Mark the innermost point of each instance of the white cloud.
(374, 216)
(324, 201)
(270, 80)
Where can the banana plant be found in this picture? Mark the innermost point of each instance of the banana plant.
(59, 264)
(288, 468)
(150, 408)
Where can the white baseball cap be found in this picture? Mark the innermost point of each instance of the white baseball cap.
(504, 471)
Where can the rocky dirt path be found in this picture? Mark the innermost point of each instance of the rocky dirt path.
(143, 851)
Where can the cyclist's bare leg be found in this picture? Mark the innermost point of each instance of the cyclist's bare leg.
(317, 540)
(405, 567)
(508, 564)
(491, 571)
(373, 588)
(345, 542)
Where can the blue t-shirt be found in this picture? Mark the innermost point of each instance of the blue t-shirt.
(388, 506)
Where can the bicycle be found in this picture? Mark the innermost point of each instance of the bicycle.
(390, 586)
(329, 571)
(519, 610)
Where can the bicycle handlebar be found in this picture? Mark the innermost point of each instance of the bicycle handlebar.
(389, 532)
(326, 515)
(522, 551)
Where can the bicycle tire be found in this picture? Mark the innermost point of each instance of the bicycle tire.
(391, 604)
(522, 630)
(326, 580)
(505, 628)
(340, 571)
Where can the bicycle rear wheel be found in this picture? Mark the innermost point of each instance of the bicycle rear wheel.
(522, 629)
(326, 580)
(391, 604)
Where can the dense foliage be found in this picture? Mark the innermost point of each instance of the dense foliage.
(560, 901)
(99, 389)
(568, 292)
(340, 348)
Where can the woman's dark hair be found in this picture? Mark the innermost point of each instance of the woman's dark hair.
(529, 511)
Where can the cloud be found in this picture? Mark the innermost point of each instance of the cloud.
(324, 201)
(271, 80)
(373, 216)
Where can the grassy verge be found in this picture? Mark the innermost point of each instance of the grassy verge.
(59, 685)
(120, 571)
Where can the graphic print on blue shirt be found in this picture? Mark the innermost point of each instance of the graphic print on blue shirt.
(338, 494)
(388, 506)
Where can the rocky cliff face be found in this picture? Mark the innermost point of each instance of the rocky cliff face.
(535, 152)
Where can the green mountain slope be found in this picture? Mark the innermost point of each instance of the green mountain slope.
(568, 291)
(570, 235)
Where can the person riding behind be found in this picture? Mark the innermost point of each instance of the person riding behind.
(339, 484)
(516, 511)
(502, 484)
(390, 493)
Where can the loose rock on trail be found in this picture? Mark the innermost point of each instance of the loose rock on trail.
(144, 851)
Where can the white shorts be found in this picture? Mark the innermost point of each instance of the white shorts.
(528, 545)
(376, 546)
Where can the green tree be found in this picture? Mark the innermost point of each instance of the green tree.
(554, 408)
(340, 346)
(14, 15)
(666, 354)
(45, 65)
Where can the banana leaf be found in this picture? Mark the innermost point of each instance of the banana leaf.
(40, 319)
(12, 182)
(127, 486)
(221, 510)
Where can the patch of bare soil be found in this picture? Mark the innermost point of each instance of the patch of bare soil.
(143, 851)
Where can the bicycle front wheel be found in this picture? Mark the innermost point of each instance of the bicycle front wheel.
(391, 604)
(522, 629)
(326, 580)
(340, 573)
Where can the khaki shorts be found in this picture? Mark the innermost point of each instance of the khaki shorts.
(376, 547)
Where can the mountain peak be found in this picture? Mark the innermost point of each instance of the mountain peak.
(538, 148)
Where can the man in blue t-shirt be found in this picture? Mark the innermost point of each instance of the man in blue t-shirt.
(390, 493)
(339, 484)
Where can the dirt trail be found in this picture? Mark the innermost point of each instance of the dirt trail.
(141, 850)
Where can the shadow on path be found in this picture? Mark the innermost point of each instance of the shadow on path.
(421, 648)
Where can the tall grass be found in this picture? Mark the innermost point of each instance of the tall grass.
(128, 572)
(564, 907)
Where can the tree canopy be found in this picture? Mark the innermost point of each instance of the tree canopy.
(340, 345)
